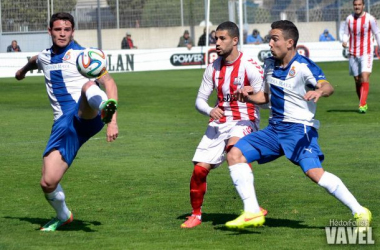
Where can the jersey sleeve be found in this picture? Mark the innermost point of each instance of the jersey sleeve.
(255, 74)
(375, 30)
(313, 75)
(204, 92)
(207, 85)
(38, 61)
(346, 34)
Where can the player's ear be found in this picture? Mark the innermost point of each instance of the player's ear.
(235, 40)
(289, 43)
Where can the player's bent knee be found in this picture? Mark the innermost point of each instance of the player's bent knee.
(87, 85)
(235, 156)
(48, 186)
(315, 174)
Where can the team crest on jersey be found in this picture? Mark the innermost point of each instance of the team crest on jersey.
(238, 80)
(292, 71)
(67, 56)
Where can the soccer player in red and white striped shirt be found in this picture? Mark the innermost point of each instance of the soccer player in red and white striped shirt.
(229, 119)
(358, 32)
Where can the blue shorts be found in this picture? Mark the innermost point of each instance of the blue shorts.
(70, 132)
(298, 142)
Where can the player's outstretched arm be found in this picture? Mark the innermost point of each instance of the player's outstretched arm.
(322, 89)
(31, 64)
(346, 34)
(246, 94)
(111, 90)
(375, 30)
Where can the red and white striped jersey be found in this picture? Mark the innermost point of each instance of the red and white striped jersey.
(359, 30)
(225, 79)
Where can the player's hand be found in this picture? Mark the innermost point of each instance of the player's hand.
(20, 74)
(112, 131)
(313, 95)
(216, 113)
(242, 95)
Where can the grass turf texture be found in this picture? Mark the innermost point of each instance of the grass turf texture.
(134, 193)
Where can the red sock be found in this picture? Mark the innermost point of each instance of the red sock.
(364, 93)
(198, 186)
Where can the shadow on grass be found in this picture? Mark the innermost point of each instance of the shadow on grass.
(219, 220)
(271, 222)
(76, 225)
(343, 111)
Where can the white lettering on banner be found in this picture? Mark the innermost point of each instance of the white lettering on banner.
(160, 59)
(187, 58)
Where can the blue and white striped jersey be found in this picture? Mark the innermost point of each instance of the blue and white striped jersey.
(62, 79)
(287, 87)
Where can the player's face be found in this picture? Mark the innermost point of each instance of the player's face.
(279, 46)
(224, 43)
(61, 33)
(358, 7)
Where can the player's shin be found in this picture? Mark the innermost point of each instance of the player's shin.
(57, 200)
(358, 89)
(336, 187)
(95, 96)
(198, 187)
(242, 178)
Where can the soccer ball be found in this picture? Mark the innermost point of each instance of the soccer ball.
(92, 62)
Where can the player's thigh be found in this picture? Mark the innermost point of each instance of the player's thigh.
(261, 146)
(211, 148)
(300, 142)
(53, 168)
(354, 65)
(84, 109)
(366, 66)
(243, 128)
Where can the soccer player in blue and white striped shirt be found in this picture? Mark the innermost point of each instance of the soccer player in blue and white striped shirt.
(293, 85)
(80, 110)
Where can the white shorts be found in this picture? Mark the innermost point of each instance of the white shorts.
(211, 149)
(358, 65)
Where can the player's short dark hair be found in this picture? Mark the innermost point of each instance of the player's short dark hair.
(62, 16)
(231, 27)
(289, 30)
(363, 2)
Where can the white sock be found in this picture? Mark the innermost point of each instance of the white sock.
(95, 97)
(57, 201)
(336, 187)
(242, 177)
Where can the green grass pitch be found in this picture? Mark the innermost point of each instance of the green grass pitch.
(134, 193)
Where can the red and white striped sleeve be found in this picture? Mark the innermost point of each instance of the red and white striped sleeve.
(375, 29)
